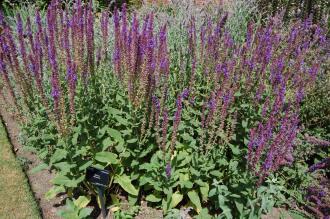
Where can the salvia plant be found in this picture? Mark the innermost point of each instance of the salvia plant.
(207, 123)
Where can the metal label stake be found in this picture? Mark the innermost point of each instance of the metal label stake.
(100, 179)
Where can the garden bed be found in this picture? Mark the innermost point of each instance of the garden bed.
(186, 112)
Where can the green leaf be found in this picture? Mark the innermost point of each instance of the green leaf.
(233, 165)
(132, 199)
(85, 118)
(234, 149)
(121, 120)
(131, 141)
(187, 184)
(244, 124)
(102, 131)
(216, 173)
(120, 147)
(53, 192)
(99, 166)
(68, 214)
(64, 167)
(114, 199)
(205, 191)
(81, 202)
(238, 94)
(194, 172)
(204, 214)
(64, 181)
(298, 215)
(175, 199)
(85, 165)
(106, 143)
(85, 212)
(106, 157)
(194, 198)
(59, 155)
(114, 111)
(239, 207)
(115, 134)
(39, 168)
(153, 198)
(246, 141)
(125, 182)
(75, 138)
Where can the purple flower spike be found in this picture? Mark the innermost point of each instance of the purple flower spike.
(325, 163)
(168, 170)
(185, 93)
(2, 19)
(156, 103)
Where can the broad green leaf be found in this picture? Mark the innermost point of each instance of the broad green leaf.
(131, 141)
(102, 131)
(85, 212)
(43, 153)
(227, 212)
(132, 199)
(194, 198)
(119, 98)
(64, 181)
(114, 199)
(85, 118)
(212, 192)
(187, 137)
(99, 166)
(298, 215)
(216, 173)
(194, 172)
(80, 179)
(114, 111)
(239, 207)
(106, 143)
(65, 167)
(120, 147)
(153, 198)
(115, 134)
(68, 214)
(187, 184)
(121, 120)
(175, 199)
(204, 214)
(39, 168)
(234, 149)
(233, 165)
(125, 182)
(84, 165)
(106, 157)
(53, 192)
(246, 141)
(244, 124)
(59, 155)
(205, 191)
(81, 202)
(75, 138)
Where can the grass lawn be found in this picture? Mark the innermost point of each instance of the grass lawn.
(16, 199)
